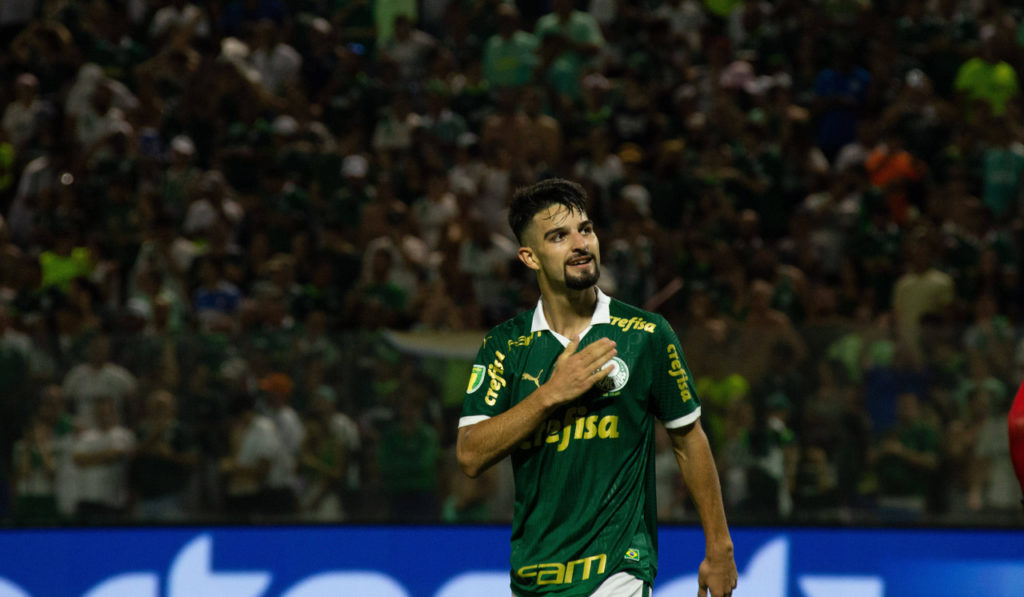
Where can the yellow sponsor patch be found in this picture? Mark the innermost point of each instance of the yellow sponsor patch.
(576, 425)
(558, 573)
(523, 341)
(676, 370)
(496, 373)
(476, 378)
(633, 323)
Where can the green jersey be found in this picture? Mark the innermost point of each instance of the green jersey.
(585, 503)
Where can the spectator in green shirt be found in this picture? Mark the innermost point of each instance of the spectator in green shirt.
(408, 457)
(386, 11)
(721, 8)
(569, 38)
(1002, 170)
(907, 461)
(37, 456)
(987, 81)
(7, 165)
(65, 261)
(510, 55)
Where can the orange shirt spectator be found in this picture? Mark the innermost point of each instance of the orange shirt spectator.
(892, 169)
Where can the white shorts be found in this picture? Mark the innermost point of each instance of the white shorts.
(621, 584)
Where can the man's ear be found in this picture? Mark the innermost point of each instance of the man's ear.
(529, 259)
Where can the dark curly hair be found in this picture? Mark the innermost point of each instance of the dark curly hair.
(528, 201)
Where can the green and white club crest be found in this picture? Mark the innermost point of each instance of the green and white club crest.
(476, 378)
(616, 380)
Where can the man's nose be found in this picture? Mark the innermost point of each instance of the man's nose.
(580, 242)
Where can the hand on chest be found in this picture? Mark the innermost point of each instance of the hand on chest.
(605, 413)
(538, 364)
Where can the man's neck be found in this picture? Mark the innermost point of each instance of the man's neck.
(568, 313)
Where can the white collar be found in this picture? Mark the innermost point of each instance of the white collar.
(602, 314)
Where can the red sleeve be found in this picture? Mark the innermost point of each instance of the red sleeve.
(1016, 424)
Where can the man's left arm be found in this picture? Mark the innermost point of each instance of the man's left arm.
(717, 573)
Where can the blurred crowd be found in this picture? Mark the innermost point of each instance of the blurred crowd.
(214, 212)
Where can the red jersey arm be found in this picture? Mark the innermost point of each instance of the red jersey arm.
(1016, 425)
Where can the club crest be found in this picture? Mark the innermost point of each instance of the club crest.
(617, 379)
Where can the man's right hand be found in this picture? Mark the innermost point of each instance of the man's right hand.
(576, 372)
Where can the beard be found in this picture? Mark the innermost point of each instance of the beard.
(583, 280)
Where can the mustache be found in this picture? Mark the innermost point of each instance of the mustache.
(578, 254)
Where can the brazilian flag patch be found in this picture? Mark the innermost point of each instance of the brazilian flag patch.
(633, 554)
(476, 378)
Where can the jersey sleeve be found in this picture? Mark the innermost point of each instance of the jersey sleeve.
(487, 393)
(674, 395)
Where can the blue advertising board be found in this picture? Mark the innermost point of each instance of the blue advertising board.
(443, 561)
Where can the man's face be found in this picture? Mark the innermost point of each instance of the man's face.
(563, 247)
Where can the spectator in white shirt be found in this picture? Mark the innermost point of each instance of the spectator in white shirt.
(97, 378)
(396, 125)
(409, 252)
(408, 48)
(277, 63)
(89, 77)
(100, 119)
(600, 166)
(179, 21)
(686, 19)
(212, 203)
(101, 454)
(436, 211)
(485, 257)
(260, 477)
(40, 176)
(22, 117)
(277, 388)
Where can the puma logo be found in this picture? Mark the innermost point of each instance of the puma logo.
(536, 379)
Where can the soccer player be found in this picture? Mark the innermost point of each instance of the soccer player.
(570, 391)
(1016, 423)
